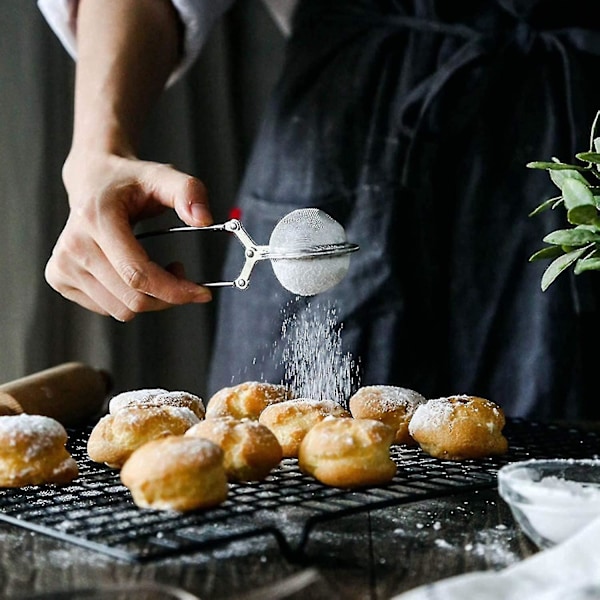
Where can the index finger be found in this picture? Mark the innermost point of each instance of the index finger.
(133, 265)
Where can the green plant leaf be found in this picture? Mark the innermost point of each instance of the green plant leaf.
(546, 253)
(572, 237)
(593, 228)
(588, 263)
(557, 266)
(576, 193)
(583, 215)
(560, 176)
(591, 157)
(550, 203)
(554, 166)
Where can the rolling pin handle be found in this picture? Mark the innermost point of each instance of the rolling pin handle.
(72, 393)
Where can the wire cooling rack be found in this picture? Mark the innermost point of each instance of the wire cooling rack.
(96, 511)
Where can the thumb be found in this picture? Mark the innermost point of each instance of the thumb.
(183, 193)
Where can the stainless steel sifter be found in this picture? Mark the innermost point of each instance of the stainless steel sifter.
(307, 249)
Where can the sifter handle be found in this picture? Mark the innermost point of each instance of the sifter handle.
(252, 251)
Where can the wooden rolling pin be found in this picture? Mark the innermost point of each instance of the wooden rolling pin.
(72, 393)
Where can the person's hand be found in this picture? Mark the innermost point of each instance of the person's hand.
(97, 261)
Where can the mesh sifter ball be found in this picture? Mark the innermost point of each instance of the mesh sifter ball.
(302, 229)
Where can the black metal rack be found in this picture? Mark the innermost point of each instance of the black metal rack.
(96, 511)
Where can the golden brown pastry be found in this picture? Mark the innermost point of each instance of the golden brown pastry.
(245, 400)
(389, 404)
(348, 453)
(116, 436)
(251, 450)
(176, 473)
(33, 452)
(291, 420)
(156, 397)
(459, 427)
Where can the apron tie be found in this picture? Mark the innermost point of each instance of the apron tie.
(476, 43)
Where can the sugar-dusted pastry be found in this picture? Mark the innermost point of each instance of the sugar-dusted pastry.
(291, 420)
(459, 427)
(117, 435)
(389, 404)
(245, 400)
(251, 450)
(33, 452)
(348, 453)
(176, 473)
(157, 397)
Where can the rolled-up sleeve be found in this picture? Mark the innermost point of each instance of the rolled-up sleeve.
(198, 18)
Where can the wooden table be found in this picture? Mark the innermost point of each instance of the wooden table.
(372, 555)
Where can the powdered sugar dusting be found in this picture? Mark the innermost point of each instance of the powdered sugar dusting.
(220, 426)
(389, 398)
(584, 491)
(326, 406)
(432, 415)
(186, 450)
(312, 355)
(132, 415)
(130, 397)
(271, 392)
(156, 397)
(33, 434)
(14, 427)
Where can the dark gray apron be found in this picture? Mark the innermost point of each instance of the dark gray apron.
(411, 123)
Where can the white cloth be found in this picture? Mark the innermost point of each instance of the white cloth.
(568, 571)
(198, 17)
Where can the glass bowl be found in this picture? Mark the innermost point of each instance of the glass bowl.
(551, 499)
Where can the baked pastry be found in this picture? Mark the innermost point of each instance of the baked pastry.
(291, 420)
(176, 473)
(348, 453)
(459, 427)
(251, 450)
(389, 404)
(156, 397)
(245, 400)
(33, 452)
(116, 436)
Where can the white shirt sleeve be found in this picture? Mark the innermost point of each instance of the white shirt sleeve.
(61, 16)
(197, 16)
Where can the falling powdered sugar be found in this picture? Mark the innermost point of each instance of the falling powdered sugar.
(315, 365)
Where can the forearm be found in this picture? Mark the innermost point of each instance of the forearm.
(126, 51)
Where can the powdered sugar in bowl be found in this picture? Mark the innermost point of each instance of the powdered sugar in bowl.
(552, 499)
